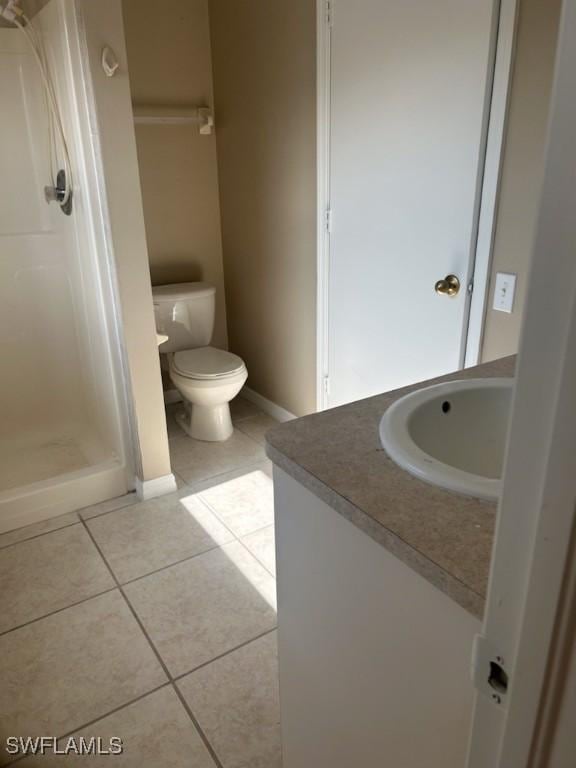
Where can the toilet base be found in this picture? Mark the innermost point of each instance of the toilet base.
(210, 423)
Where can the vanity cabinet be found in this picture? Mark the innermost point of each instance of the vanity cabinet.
(374, 659)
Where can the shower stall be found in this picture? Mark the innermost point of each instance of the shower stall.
(65, 434)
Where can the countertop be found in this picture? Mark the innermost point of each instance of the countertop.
(337, 455)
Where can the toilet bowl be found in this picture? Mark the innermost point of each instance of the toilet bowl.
(207, 378)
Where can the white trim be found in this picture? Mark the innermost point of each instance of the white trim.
(536, 518)
(502, 58)
(323, 48)
(276, 411)
(159, 486)
(505, 45)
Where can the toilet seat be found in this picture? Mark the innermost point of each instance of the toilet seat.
(207, 363)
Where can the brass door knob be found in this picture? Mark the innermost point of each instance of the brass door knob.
(450, 286)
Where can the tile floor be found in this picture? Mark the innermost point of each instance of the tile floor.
(153, 622)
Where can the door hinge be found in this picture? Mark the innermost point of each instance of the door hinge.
(489, 672)
(328, 219)
(328, 13)
(326, 385)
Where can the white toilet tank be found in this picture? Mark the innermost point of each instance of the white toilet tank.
(185, 313)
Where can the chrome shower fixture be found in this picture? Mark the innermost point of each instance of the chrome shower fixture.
(60, 190)
(60, 194)
(10, 11)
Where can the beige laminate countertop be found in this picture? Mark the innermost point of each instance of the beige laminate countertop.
(337, 455)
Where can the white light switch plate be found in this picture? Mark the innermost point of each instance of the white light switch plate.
(504, 292)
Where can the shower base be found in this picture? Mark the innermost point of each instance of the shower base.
(46, 475)
(33, 462)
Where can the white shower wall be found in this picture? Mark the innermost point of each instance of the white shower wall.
(62, 406)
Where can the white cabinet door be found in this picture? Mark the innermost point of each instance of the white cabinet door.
(374, 660)
(409, 82)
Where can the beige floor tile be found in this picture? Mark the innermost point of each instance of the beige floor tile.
(145, 537)
(244, 503)
(108, 506)
(48, 573)
(235, 700)
(156, 732)
(37, 529)
(240, 409)
(201, 608)
(257, 426)
(73, 667)
(195, 460)
(265, 465)
(263, 546)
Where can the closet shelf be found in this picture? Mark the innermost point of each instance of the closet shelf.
(159, 115)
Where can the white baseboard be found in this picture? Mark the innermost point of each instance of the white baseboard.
(151, 489)
(172, 396)
(276, 411)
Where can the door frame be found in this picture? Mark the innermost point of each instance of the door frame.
(531, 609)
(488, 184)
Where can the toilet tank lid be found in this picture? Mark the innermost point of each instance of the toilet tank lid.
(177, 291)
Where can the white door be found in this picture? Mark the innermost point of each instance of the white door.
(408, 108)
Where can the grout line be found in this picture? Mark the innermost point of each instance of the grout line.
(184, 436)
(235, 421)
(237, 536)
(170, 565)
(117, 709)
(131, 503)
(58, 610)
(156, 652)
(38, 535)
(233, 473)
(102, 717)
(197, 725)
(129, 604)
(245, 418)
(79, 519)
(252, 553)
(204, 664)
(261, 442)
(119, 585)
(256, 415)
(171, 681)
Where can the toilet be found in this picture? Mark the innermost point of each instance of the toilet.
(206, 377)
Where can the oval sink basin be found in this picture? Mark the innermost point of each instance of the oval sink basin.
(452, 435)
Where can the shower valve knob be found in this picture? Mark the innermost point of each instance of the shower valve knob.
(60, 193)
(54, 194)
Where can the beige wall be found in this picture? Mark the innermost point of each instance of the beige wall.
(264, 78)
(523, 166)
(170, 64)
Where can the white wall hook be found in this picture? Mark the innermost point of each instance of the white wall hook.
(110, 63)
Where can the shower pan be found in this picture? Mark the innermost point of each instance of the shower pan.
(65, 431)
